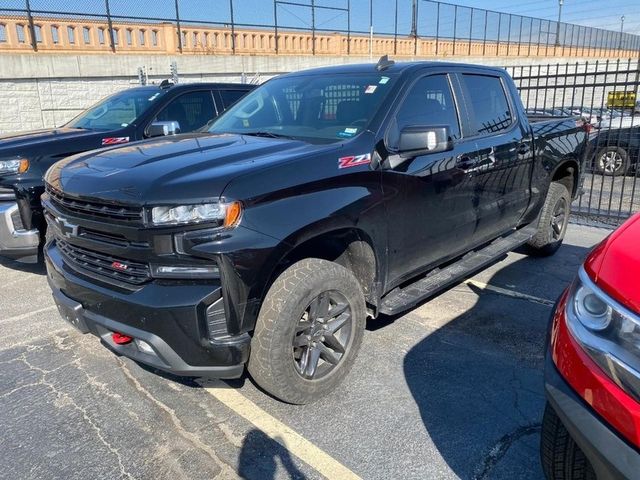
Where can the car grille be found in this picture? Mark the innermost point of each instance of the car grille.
(97, 209)
(112, 268)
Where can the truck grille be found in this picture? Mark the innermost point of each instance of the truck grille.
(97, 209)
(113, 268)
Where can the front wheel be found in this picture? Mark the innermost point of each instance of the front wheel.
(308, 332)
(553, 221)
(612, 161)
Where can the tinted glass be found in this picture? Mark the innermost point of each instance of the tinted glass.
(229, 97)
(429, 103)
(118, 110)
(319, 108)
(490, 111)
(191, 110)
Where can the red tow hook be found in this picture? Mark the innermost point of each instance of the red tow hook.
(121, 339)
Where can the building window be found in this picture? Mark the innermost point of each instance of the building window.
(195, 39)
(101, 36)
(20, 33)
(114, 34)
(184, 38)
(141, 37)
(38, 30)
(129, 35)
(206, 39)
(3, 33)
(154, 37)
(86, 35)
(55, 35)
(71, 33)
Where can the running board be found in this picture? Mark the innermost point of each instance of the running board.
(438, 279)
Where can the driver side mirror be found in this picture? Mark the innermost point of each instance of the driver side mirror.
(161, 129)
(420, 140)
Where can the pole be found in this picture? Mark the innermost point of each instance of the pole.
(233, 27)
(395, 32)
(110, 25)
(560, 2)
(348, 27)
(313, 27)
(370, 29)
(275, 23)
(621, 31)
(32, 28)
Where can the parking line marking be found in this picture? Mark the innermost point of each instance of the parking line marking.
(26, 315)
(510, 293)
(295, 443)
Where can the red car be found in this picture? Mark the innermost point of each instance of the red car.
(591, 425)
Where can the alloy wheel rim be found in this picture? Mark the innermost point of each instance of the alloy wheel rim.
(559, 219)
(322, 335)
(610, 162)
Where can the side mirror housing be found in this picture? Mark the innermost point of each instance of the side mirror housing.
(420, 140)
(161, 129)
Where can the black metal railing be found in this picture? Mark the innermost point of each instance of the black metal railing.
(449, 29)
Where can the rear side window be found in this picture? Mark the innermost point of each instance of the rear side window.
(429, 103)
(487, 101)
(191, 110)
(229, 97)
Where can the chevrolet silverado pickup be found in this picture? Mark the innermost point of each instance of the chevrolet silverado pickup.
(319, 199)
(130, 115)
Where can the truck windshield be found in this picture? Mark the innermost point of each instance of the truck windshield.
(318, 109)
(118, 110)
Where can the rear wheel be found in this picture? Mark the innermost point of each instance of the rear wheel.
(561, 457)
(612, 161)
(308, 332)
(553, 221)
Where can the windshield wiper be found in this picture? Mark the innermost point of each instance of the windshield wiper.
(265, 133)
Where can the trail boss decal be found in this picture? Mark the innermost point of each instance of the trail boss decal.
(114, 140)
(354, 160)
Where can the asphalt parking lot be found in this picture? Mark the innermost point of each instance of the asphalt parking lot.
(451, 389)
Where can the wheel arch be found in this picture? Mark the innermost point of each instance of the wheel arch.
(566, 173)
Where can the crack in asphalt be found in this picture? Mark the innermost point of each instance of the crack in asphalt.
(499, 450)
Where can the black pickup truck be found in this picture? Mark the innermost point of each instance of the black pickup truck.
(130, 115)
(319, 199)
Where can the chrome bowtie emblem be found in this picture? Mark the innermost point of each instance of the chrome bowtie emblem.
(67, 229)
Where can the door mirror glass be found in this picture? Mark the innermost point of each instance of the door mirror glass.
(419, 140)
(161, 129)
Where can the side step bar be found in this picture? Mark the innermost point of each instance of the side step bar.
(400, 299)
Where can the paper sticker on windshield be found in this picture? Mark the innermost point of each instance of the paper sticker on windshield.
(383, 80)
(370, 89)
(354, 160)
(114, 140)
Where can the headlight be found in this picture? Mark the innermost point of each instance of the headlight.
(225, 214)
(13, 167)
(607, 331)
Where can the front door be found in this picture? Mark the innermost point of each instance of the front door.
(429, 198)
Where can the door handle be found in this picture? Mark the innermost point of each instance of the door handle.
(465, 162)
(523, 149)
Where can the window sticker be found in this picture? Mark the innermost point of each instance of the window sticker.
(370, 89)
(245, 122)
(348, 132)
(383, 80)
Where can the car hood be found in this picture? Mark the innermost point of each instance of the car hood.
(614, 265)
(34, 137)
(177, 169)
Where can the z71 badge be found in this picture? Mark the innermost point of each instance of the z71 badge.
(115, 140)
(354, 160)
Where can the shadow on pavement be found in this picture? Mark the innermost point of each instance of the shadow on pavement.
(259, 457)
(36, 267)
(479, 376)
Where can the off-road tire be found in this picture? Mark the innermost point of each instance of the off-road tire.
(621, 153)
(561, 457)
(545, 242)
(271, 362)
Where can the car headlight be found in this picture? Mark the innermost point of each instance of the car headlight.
(224, 214)
(14, 166)
(607, 331)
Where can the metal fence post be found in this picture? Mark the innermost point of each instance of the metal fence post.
(498, 38)
(455, 25)
(509, 36)
(437, 26)
(415, 39)
(484, 40)
(470, 31)
(395, 31)
(32, 28)
(520, 34)
(233, 27)
(179, 28)
(313, 27)
(110, 26)
(275, 23)
(348, 27)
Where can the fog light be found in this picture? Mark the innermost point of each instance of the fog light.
(144, 347)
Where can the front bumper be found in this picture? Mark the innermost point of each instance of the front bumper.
(15, 241)
(611, 456)
(167, 316)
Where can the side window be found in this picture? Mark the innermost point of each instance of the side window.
(429, 103)
(191, 111)
(229, 97)
(490, 112)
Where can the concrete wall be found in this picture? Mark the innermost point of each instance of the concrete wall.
(47, 90)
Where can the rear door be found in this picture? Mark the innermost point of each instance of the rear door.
(502, 171)
(429, 198)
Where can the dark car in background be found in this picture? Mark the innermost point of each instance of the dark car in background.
(615, 150)
(131, 115)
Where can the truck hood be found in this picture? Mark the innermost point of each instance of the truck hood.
(177, 169)
(32, 138)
